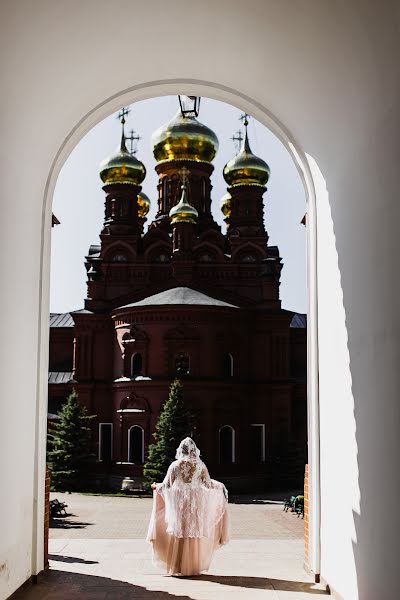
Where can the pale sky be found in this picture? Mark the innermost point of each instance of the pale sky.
(79, 199)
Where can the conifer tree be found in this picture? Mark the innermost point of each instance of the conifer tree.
(69, 445)
(174, 423)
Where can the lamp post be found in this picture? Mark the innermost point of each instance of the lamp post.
(190, 105)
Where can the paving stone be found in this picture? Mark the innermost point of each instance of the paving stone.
(109, 559)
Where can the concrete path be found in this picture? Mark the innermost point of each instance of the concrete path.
(263, 560)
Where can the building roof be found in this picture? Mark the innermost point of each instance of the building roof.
(60, 377)
(299, 321)
(180, 296)
(61, 320)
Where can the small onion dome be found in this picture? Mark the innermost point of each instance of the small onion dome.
(226, 204)
(246, 168)
(122, 167)
(183, 212)
(143, 202)
(184, 138)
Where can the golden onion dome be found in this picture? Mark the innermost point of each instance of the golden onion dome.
(184, 138)
(183, 212)
(246, 168)
(143, 202)
(226, 204)
(122, 167)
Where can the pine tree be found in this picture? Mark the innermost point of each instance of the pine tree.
(70, 445)
(174, 423)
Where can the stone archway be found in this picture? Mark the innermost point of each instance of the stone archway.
(313, 185)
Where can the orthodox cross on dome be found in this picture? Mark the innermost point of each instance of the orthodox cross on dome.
(237, 139)
(244, 117)
(184, 173)
(133, 138)
(122, 114)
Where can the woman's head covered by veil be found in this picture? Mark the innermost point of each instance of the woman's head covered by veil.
(187, 450)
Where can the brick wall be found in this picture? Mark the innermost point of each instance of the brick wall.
(306, 520)
(46, 518)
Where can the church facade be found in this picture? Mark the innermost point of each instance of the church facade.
(182, 299)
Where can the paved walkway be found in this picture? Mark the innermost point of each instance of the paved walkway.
(100, 554)
(108, 517)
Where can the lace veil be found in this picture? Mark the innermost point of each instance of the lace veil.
(194, 503)
(187, 450)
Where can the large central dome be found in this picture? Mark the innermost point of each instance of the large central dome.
(184, 138)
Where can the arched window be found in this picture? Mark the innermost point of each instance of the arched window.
(164, 194)
(119, 258)
(206, 257)
(257, 442)
(136, 445)
(105, 441)
(227, 365)
(248, 258)
(182, 363)
(226, 445)
(162, 257)
(136, 364)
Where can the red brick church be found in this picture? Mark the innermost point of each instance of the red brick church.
(182, 299)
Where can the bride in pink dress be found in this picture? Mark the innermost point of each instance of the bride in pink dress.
(189, 520)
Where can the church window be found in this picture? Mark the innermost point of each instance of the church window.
(182, 363)
(121, 258)
(206, 258)
(248, 258)
(136, 364)
(227, 365)
(163, 257)
(105, 441)
(257, 443)
(136, 445)
(226, 445)
(164, 194)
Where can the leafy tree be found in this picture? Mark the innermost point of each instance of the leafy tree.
(174, 423)
(69, 445)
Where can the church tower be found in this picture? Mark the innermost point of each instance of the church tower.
(125, 212)
(243, 207)
(184, 142)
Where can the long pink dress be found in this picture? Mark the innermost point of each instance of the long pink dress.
(189, 520)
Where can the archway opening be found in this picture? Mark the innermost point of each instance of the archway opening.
(246, 258)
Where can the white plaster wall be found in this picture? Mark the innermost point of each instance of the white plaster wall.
(329, 72)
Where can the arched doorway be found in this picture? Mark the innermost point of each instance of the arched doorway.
(305, 168)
